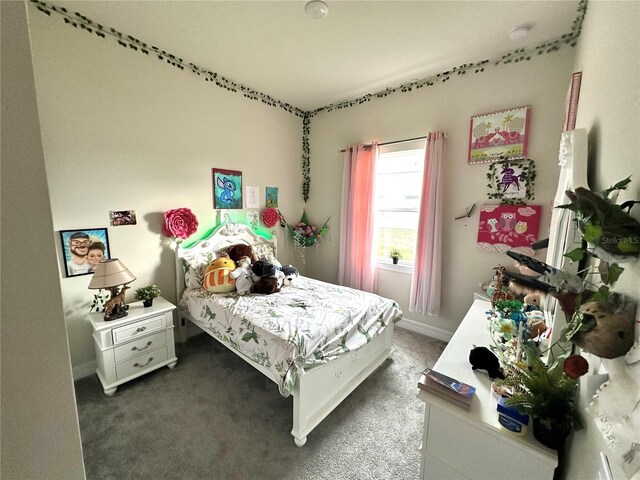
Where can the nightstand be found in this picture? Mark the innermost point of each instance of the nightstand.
(131, 346)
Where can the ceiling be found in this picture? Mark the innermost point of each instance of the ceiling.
(360, 47)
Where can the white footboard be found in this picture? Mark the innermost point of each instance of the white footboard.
(321, 389)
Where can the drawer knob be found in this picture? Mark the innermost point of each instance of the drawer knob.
(141, 329)
(134, 348)
(142, 366)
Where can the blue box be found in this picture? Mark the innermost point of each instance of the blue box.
(510, 418)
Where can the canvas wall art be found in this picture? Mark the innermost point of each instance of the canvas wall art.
(499, 135)
(272, 197)
(227, 189)
(82, 250)
(508, 227)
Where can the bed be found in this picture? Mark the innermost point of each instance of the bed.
(317, 341)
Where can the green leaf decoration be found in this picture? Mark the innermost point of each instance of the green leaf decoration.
(575, 255)
(602, 295)
(629, 246)
(521, 54)
(621, 185)
(614, 272)
(592, 233)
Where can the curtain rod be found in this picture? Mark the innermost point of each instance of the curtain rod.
(392, 143)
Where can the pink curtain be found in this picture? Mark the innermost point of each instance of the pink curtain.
(357, 267)
(425, 284)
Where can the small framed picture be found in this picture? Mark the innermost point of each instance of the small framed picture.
(271, 197)
(499, 135)
(82, 250)
(511, 182)
(122, 217)
(227, 189)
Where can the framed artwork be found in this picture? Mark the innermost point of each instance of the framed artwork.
(511, 182)
(499, 135)
(122, 217)
(508, 227)
(227, 188)
(82, 250)
(272, 197)
(253, 200)
(572, 102)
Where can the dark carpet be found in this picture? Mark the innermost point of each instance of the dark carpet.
(215, 417)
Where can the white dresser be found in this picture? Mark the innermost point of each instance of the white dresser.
(459, 444)
(133, 345)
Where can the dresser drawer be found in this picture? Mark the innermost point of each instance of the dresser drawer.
(141, 364)
(140, 346)
(136, 330)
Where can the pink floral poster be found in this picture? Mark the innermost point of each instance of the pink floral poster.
(508, 227)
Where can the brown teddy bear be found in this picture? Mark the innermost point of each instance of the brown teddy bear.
(239, 250)
(266, 285)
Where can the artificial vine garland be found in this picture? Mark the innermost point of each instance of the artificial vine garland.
(528, 175)
(82, 22)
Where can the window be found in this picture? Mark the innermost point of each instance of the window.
(398, 189)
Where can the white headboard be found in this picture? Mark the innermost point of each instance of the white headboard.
(199, 253)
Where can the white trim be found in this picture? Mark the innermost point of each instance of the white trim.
(428, 330)
(84, 370)
(406, 268)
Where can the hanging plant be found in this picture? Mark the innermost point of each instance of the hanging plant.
(81, 22)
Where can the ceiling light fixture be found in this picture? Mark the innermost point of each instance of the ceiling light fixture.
(316, 9)
(519, 31)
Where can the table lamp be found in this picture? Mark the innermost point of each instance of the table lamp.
(111, 274)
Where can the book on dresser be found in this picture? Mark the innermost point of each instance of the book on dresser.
(447, 388)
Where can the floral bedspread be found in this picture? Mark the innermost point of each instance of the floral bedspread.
(304, 325)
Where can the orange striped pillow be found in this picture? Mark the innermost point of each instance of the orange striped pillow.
(216, 276)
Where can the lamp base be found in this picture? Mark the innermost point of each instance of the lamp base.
(117, 312)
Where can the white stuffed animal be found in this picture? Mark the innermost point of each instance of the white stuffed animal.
(243, 276)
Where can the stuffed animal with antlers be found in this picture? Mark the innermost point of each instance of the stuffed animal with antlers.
(116, 301)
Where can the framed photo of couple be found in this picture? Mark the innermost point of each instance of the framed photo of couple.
(82, 250)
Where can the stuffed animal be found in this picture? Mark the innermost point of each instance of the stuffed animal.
(217, 276)
(262, 269)
(481, 358)
(239, 250)
(266, 285)
(242, 276)
(291, 274)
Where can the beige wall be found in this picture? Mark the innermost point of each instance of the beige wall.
(40, 434)
(541, 83)
(124, 131)
(608, 54)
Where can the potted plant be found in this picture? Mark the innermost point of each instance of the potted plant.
(147, 294)
(395, 255)
(548, 394)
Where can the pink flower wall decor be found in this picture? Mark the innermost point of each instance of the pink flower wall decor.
(508, 227)
(179, 223)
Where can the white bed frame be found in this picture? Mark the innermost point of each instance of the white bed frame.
(321, 389)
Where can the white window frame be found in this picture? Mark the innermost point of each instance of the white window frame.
(383, 263)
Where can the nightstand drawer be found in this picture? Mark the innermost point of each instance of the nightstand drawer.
(141, 363)
(136, 330)
(141, 346)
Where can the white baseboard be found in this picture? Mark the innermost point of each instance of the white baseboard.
(84, 370)
(429, 331)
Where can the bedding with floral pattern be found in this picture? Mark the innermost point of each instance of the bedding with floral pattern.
(304, 325)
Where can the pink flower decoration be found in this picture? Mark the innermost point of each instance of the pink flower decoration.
(179, 223)
(270, 217)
